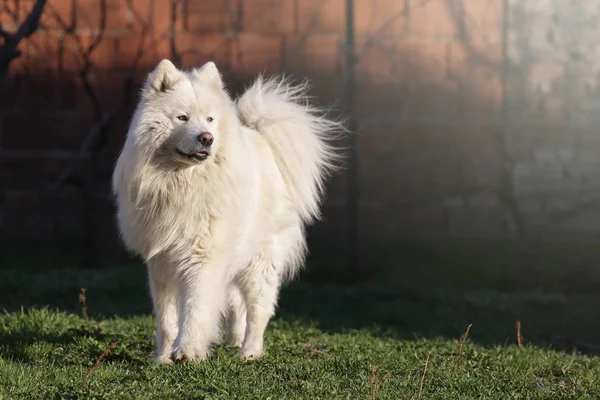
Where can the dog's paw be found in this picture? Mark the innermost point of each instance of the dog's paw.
(247, 354)
(162, 359)
(188, 353)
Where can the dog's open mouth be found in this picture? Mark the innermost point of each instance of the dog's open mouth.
(198, 156)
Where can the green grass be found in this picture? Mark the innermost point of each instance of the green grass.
(413, 302)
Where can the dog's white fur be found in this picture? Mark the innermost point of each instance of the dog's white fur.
(219, 236)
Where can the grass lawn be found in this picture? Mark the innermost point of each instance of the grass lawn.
(393, 334)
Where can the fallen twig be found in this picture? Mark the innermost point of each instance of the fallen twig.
(375, 383)
(423, 377)
(463, 338)
(97, 364)
(319, 352)
(520, 337)
(82, 300)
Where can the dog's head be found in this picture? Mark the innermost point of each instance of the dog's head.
(183, 116)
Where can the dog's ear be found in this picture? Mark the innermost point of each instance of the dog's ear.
(164, 76)
(208, 73)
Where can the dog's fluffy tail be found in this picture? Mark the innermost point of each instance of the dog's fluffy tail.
(300, 136)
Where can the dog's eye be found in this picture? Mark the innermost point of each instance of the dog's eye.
(210, 119)
(182, 117)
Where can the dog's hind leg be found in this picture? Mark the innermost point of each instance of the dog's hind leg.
(260, 286)
(261, 280)
(164, 299)
(236, 317)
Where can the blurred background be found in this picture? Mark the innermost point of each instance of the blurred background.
(471, 191)
(476, 119)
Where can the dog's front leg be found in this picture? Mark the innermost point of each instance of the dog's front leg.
(202, 292)
(163, 291)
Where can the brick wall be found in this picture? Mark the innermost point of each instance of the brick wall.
(477, 117)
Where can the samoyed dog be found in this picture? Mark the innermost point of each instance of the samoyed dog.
(214, 194)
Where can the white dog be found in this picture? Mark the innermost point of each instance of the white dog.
(214, 195)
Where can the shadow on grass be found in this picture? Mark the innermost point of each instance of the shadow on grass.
(66, 338)
(407, 291)
(18, 343)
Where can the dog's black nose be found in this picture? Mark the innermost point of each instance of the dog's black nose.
(206, 139)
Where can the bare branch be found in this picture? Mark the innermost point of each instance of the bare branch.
(100, 35)
(97, 130)
(4, 34)
(9, 50)
(96, 136)
(32, 21)
(388, 23)
(175, 56)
